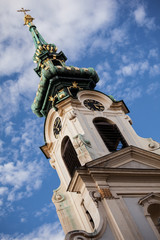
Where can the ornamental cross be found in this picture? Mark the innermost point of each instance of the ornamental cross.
(23, 10)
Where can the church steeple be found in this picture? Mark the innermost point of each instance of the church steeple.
(108, 174)
(57, 81)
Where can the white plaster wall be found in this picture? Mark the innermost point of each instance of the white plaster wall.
(138, 215)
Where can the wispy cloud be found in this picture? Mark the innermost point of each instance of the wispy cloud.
(132, 68)
(103, 70)
(19, 177)
(141, 18)
(153, 53)
(115, 37)
(17, 174)
(51, 231)
(152, 88)
(1, 145)
(45, 210)
(155, 69)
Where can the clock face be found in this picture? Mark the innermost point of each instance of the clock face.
(57, 127)
(93, 105)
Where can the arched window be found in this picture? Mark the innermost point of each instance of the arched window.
(151, 207)
(154, 211)
(88, 215)
(69, 155)
(110, 134)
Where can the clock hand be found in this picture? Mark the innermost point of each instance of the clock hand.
(95, 106)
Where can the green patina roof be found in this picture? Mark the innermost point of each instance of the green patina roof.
(57, 81)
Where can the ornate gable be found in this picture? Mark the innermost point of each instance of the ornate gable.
(130, 157)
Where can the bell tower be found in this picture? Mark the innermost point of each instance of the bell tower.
(110, 177)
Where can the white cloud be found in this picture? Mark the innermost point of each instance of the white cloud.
(23, 220)
(133, 68)
(125, 58)
(71, 25)
(3, 190)
(116, 37)
(103, 71)
(45, 210)
(31, 132)
(140, 15)
(1, 145)
(17, 173)
(1, 203)
(152, 88)
(130, 69)
(51, 231)
(15, 92)
(9, 128)
(142, 19)
(119, 35)
(117, 84)
(153, 53)
(155, 70)
(20, 176)
(78, 29)
(15, 140)
(114, 88)
(130, 93)
(73, 22)
(143, 66)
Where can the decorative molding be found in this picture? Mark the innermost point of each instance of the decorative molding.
(131, 152)
(47, 149)
(105, 193)
(97, 234)
(145, 202)
(149, 199)
(153, 145)
(72, 115)
(52, 163)
(128, 119)
(96, 196)
(57, 197)
(119, 105)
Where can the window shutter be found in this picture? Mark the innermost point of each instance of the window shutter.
(69, 156)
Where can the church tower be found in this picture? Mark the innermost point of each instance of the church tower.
(110, 177)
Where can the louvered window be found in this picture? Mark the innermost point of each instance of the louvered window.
(110, 134)
(69, 155)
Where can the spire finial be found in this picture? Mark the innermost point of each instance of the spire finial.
(23, 10)
(27, 18)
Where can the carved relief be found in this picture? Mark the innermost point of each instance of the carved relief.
(57, 197)
(96, 196)
(83, 148)
(153, 145)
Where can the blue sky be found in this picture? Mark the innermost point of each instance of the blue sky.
(120, 39)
